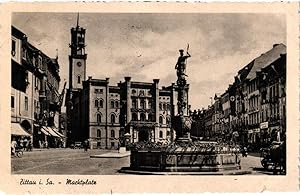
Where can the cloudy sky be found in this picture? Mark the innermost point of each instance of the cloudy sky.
(145, 46)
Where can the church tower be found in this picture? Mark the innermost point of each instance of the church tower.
(77, 59)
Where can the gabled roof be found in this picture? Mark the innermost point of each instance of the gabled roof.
(266, 59)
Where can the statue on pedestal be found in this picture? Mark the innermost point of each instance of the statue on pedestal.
(181, 65)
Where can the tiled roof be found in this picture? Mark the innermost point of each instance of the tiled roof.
(266, 59)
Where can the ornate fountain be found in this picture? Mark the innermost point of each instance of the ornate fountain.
(183, 155)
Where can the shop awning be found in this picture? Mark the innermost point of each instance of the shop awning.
(56, 131)
(44, 130)
(17, 129)
(49, 129)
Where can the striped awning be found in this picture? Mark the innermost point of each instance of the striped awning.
(56, 131)
(17, 129)
(44, 130)
(50, 130)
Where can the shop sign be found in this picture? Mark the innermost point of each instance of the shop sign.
(264, 125)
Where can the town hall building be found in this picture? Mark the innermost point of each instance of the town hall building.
(103, 113)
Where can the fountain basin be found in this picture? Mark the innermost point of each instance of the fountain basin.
(183, 160)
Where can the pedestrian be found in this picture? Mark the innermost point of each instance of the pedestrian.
(244, 151)
(85, 145)
(46, 144)
(29, 146)
(13, 146)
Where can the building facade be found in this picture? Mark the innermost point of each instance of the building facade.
(34, 91)
(104, 113)
(253, 109)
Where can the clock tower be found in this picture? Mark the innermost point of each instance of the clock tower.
(77, 59)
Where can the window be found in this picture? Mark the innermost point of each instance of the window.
(98, 118)
(117, 104)
(143, 117)
(134, 116)
(12, 101)
(24, 53)
(112, 133)
(101, 103)
(133, 92)
(26, 103)
(13, 48)
(150, 117)
(134, 103)
(96, 103)
(168, 120)
(78, 79)
(98, 133)
(168, 107)
(160, 134)
(142, 93)
(36, 83)
(161, 120)
(112, 104)
(160, 106)
(143, 104)
(149, 104)
(168, 133)
(113, 118)
(164, 107)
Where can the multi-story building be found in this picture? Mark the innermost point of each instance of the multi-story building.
(34, 96)
(103, 113)
(253, 107)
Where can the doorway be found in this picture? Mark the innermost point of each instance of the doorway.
(143, 135)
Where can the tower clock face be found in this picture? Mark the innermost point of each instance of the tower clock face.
(79, 64)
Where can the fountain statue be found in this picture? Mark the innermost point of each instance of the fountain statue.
(183, 155)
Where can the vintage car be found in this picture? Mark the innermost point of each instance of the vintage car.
(274, 157)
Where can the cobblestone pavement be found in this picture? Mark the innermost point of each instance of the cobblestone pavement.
(76, 161)
(67, 161)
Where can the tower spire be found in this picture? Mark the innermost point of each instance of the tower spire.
(77, 20)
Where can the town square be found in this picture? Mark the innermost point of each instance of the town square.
(116, 94)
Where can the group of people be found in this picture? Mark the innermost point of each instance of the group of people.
(22, 143)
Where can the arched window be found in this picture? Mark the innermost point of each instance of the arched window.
(160, 119)
(168, 133)
(112, 104)
(150, 117)
(96, 103)
(78, 79)
(101, 103)
(98, 133)
(117, 104)
(164, 107)
(134, 117)
(133, 92)
(112, 133)
(160, 134)
(113, 118)
(160, 106)
(149, 104)
(134, 103)
(168, 107)
(143, 104)
(98, 118)
(168, 120)
(143, 117)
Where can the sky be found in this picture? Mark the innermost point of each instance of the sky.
(145, 46)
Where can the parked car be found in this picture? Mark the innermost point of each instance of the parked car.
(77, 145)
